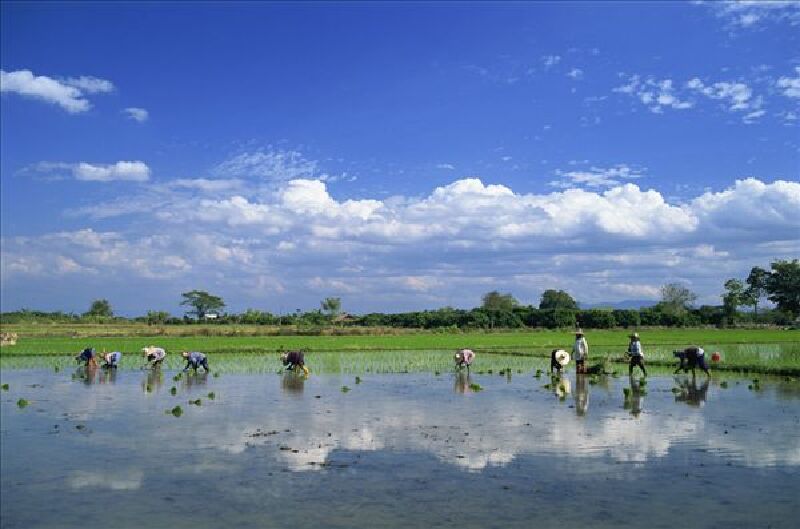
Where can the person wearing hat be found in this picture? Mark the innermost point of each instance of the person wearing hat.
(690, 358)
(195, 360)
(636, 354)
(558, 359)
(580, 350)
(464, 358)
(154, 354)
(294, 359)
(87, 356)
(112, 359)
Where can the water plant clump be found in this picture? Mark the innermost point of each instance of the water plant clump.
(626, 392)
(173, 390)
(475, 387)
(196, 402)
(5, 387)
(216, 374)
(22, 403)
(177, 411)
(358, 379)
(345, 389)
(723, 384)
(212, 395)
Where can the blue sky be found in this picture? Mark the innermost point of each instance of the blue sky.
(400, 156)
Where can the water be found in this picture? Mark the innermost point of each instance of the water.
(397, 450)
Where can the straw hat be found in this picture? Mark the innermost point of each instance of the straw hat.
(562, 357)
(635, 335)
(579, 332)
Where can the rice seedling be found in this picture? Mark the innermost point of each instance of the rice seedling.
(196, 402)
(177, 411)
(173, 390)
(358, 379)
(22, 403)
(5, 387)
(345, 389)
(475, 387)
(212, 395)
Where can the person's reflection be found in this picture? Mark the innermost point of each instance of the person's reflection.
(108, 376)
(581, 394)
(196, 379)
(293, 382)
(152, 381)
(462, 382)
(689, 392)
(87, 374)
(633, 398)
(561, 387)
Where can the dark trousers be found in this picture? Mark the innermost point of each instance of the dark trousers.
(636, 361)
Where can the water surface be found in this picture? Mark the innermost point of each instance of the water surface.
(397, 450)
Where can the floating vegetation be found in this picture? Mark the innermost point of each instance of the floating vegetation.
(173, 390)
(475, 387)
(676, 390)
(177, 377)
(626, 392)
(358, 379)
(547, 386)
(196, 402)
(212, 395)
(148, 388)
(723, 384)
(538, 373)
(177, 411)
(22, 403)
(5, 387)
(345, 389)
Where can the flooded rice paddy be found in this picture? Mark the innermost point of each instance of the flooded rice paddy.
(393, 449)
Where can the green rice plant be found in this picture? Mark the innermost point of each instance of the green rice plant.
(196, 402)
(22, 403)
(177, 411)
(212, 395)
(474, 386)
(5, 387)
(173, 390)
(345, 389)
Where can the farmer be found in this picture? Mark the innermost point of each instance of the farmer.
(87, 356)
(195, 360)
(690, 358)
(294, 359)
(558, 359)
(580, 350)
(112, 360)
(154, 355)
(636, 354)
(464, 358)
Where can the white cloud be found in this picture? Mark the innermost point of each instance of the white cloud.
(448, 166)
(597, 177)
(655, 94)
(752, 13)
(273, 166)
(69, 94)
(575, 73)
(137, 114)
(737, 97)
(790, 86)
(134, 171)
(550, 60)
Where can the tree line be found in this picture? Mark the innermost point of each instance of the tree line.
(556, 309)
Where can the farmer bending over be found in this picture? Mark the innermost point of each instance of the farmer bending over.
(464, 358)
(636, 354)
(558, 359)
(87, 356)
(580, 350)
(690, 358)
(112, 360)
(154, 355)
(294, 359)
(195, 360)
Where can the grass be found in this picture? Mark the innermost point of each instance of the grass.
(131, 338)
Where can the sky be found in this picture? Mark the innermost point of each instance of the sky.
(399, 156)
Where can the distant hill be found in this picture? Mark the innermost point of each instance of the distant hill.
(625, 304)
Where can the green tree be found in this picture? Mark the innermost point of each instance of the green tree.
(733, 297)
(331, 306)
(100, 308)
(757, 287)
(557, 299)
(494, 300)
(202, 301)
(157, 317)
(676, 299)
(783, 286)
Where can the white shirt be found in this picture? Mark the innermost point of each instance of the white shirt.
(635, 349)
(580, 349)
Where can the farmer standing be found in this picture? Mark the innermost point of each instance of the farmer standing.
(580, 350)
(636, 353)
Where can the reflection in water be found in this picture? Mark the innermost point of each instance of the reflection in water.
(581, 394)
(108, 376)
(87, 374)
(462, 381)
(406, 440)
(152, 381)
(689, 392)
(633, 399)
(195, 379)
(293, 382)
(561, 386)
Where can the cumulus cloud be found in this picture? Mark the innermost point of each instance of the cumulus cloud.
(133, 171)
(69, 93)
(137, 114)
(454, 244)
(790, 86)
